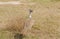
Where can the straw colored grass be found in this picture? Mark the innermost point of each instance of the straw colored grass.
(46, 16)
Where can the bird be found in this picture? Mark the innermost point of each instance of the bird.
(28, 25)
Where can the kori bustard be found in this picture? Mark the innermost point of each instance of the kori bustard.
(27, 26)
(29, 22)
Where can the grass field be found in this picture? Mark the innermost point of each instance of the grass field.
(46, 14)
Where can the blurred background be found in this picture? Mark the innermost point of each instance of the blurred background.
(46, 14)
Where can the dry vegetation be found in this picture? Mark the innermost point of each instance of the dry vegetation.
(46, 16)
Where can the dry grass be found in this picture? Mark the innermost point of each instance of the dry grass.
(46, 16)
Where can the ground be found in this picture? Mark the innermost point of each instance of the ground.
(45, 13)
